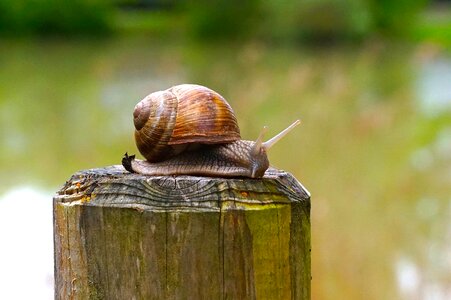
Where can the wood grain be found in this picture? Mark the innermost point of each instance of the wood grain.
(125, 236)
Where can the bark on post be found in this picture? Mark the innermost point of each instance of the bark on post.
(125, 236)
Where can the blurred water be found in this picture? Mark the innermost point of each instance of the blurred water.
(27, 244)
(374, 148)
(434, 85)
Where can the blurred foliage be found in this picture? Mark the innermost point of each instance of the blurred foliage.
(213, 19)
(18, 17)
(308, 20)
(280, 21)
(395, 17)
(434, 26)
(322, 20)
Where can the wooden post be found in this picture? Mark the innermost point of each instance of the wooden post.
(125, 236)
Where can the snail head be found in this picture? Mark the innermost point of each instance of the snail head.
(258, 155)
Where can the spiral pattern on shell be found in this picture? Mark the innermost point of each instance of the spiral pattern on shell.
(175, 120)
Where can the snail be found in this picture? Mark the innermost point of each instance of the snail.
(190, 129)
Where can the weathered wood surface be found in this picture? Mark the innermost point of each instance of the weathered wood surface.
(125, 236)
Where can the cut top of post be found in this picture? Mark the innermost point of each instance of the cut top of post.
(114, 186)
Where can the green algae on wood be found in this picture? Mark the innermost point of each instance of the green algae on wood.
(125, 236)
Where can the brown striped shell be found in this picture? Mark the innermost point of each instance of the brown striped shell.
(171, 121)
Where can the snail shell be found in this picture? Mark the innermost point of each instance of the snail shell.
(181, 118)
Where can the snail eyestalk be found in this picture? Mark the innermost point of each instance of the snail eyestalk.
(268, 144)
(259, 141)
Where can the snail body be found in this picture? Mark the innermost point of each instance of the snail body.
(226, 160)
(192, 130)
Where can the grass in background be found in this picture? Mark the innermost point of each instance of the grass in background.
(434, 26)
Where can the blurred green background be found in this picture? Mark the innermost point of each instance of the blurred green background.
(371, 81)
